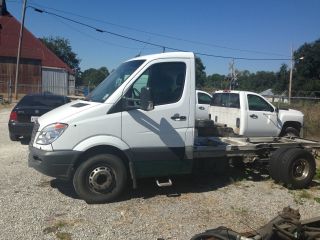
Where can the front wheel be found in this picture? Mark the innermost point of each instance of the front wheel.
(102, 178)
(291, 132)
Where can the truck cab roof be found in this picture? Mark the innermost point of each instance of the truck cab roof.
(165, 55)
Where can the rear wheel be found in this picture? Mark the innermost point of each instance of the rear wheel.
(297, 168)
(276, 156)
(102, 178)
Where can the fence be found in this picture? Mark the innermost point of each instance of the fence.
(7, 90)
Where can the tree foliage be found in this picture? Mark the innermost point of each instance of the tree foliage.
(306, 74)
(94, 76)
(200, 73)
(307, 70)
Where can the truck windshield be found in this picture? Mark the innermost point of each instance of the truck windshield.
(113, 81)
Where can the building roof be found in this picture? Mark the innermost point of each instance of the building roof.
(31, 48)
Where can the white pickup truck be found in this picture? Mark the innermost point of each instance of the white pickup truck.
(140, 122)
(250, 114)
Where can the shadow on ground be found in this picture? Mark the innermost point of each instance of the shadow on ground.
(147, 188)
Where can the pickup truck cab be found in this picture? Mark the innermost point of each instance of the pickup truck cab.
(140, 122)
(250, 114)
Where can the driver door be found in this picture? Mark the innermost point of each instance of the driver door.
(262, 119)
(157, 137)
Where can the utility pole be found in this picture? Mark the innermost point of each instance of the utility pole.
(19, 48)
(290, 78)
(232, 74)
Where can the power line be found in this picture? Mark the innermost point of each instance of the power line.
(151, 43)
(163, 35)
(100, 40)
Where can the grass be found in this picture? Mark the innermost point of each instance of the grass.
(57, 228)
(63, 236)
(311, 113)
(317, 176)
(300, 196)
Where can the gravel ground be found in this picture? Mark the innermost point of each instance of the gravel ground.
(33, 206)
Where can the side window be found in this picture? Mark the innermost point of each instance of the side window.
(165, 80)
(216, 100)
(234, 101)
(203, 98)
(257, 103)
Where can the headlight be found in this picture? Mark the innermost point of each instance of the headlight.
(50, 133)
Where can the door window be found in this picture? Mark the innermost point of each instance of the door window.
(204, 98)
(257, 103)
(165, 80)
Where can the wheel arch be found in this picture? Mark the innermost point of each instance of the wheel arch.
(295, 124)
(124, 155)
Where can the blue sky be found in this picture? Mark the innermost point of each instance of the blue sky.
(269, 26)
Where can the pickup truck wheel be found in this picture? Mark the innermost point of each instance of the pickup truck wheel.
(274, 163)
(297, 168)
(102, 178)
(291, 132)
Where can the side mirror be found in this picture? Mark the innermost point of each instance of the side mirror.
(277, 110)
(146, 103)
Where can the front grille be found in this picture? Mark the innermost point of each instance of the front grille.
(34, 132)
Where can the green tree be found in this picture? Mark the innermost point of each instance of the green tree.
(215, 81)
(307, 70)
(282, 81)
(200, 73)
(94, 76)
(62, 48)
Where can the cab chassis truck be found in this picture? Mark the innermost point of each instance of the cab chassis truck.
(140, 122)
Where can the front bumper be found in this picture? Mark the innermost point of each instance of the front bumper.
(58, 164)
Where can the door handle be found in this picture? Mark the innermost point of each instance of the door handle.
(253, 116)
(201, 108)
(177, 117)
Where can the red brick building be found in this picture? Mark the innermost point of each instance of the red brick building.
(40, 69)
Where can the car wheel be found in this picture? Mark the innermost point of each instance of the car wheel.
(101, 178)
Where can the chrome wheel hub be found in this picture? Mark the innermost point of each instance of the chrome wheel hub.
(301, 169)
(101, 178)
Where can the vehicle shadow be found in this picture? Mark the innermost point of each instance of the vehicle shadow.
(25, 140)
(64, 187)
(195, 183)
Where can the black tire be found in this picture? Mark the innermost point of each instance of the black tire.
(100, 179)
(274, 163)
(297, 168)
(291, 132)
(13, 137)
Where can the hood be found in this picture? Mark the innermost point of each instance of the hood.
(66, 112)
(291, 112)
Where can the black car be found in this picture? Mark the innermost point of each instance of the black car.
(28, 109)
